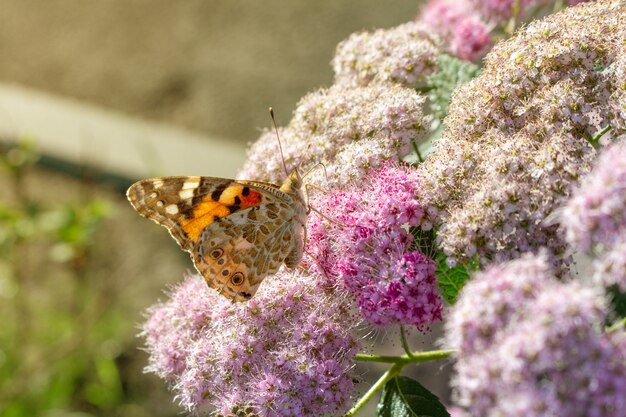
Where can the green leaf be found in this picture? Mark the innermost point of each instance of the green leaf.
(452, 73)
(451, 280)
(617, 302)
(405, 397)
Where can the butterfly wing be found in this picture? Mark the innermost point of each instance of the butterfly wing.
(235, 253)
(237, 232)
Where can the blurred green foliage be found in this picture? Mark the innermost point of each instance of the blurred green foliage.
(617, 302)
(439, 88)
(60, 336)
(452, 73)
(450, 280)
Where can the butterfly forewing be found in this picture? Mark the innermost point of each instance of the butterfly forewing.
(169, 201)
(237, 232)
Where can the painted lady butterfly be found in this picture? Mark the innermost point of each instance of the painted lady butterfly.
(237, 232)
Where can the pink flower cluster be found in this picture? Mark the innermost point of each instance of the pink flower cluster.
(405, 54)
(286, 352)
(469, 27)
(595, 217)
(349, 129)
(465, 33)
(368, 246)
(516, 138)
(502, 10)
(532, 346)
(618, 102)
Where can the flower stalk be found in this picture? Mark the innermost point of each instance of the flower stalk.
(620, 324)
(398, 363)
(414, 357)
(405, 342)
(386, 377)
(595, 140)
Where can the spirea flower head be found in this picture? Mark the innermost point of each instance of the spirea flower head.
(515, 139)
(286, 352)
(610, 265)
(618, 102)
(595, 217)
(535, 346)
(348, 129)
(406, 54)
(368, 246)
(500, 11)
(175, 325)
(474, 326)
(465, 34)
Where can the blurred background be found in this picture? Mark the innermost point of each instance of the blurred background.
(94, 95)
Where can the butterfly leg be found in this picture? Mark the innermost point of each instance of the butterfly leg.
(335, 222)
(306, 192)
(315, 166)
(310, 208)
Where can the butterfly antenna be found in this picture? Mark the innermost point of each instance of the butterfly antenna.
(280, 146)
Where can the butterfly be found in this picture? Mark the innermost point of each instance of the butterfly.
(236, 232)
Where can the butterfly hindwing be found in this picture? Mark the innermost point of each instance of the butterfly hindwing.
(235, 253)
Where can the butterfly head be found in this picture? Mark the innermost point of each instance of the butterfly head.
(293, 182)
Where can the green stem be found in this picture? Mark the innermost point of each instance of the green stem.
(596, 139)
(398, 362)
(405, 343)
(386, 377)
(617, 325)
(417, 151)
(416, 357)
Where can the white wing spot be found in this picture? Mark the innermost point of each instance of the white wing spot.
(186, 193)
(171, 209)
(191, 183)
(153, 195)
(159, 203)
(157, 183)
